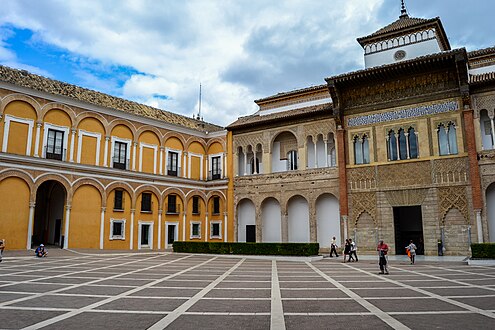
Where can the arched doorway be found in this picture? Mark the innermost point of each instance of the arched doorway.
(246, 221)
(327, 220)
(49, 214)
(298, 220)
(490, 212)
(271, 218)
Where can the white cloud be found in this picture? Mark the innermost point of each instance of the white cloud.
(238, 50)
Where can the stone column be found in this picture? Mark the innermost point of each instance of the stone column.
(316, 156)
(245, 162)
(67, 223)
(32, 206)
(37, 140)
(160, 168)
(184, 167)
(134, 156)
(206, 226)
(105, 155)
(184, 226)
(493, 127)
(326, 153)
(473, 159)
(225, 231)
(160, 229)
(236, 164)
(72, 139)
(407, 145)
(131, 235)
(479, 225)
(102, 227)
(254, 163)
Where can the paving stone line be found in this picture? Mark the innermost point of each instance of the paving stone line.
(277, 320)
(428, 293)
(395, 324)
(164, 322)
(69, 287)
(118, 296)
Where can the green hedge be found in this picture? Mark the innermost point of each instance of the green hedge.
(483, 250)
(281, 249)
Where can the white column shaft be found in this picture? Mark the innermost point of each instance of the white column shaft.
(206, 227)
(71, 152)
(316, 156)
(184, 227)
(102, 227)
(67, 223)
(105, 155)
(159, 229)
(131, 239)
(30, 225)
(37, 140)
(225, 227)
(134, 151)
(479, 226)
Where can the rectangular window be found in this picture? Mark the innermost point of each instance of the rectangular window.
(146, 202)
(195, 206)
(216, 168)
(120, 155)
(195, 230)
(55, 144)
(215, 230)
(118, 204)
(216, 205)
(117, 229)
(172, 204)
(173, 163)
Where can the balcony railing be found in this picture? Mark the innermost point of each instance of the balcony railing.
(214, 175)
(117, 163)
(173, 171)
(55, 153)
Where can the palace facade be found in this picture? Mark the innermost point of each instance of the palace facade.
(81, 169)
(401, 150)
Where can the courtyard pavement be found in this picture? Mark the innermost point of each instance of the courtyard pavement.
(185, 291)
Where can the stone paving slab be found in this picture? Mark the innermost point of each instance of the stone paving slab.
(231, 306)
(312, 293)
(55, 301)
(166, 292)
(322, 306)
(446, 321)
(97, 290)
(231, 322)
(298, 322)
(17, 319)
(413, 305)
(487, 303)
(32, 287)
(249, 293)
(130, 304)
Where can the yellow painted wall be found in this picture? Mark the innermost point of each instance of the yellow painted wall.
(122, 131)
(112, 214)
(18, 138)
(84, 228)
(58, 117)
(173, 217)
(23, 110)
(149, 137)
(14, 212)
(215, 148)
(89, 151)
(174, 143)
(148, 159)
(195, 167)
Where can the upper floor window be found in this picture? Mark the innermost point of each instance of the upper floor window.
(172, 206)
(216, 205)
(146, 202)
(216, 167)
(361, 150)
(118, 202)
(292, 160)
(447, 139)
(120, 160)
(255, 165)
(55, 144)
(173, 163)
(195, 205)
(402, 144)
(487, 128)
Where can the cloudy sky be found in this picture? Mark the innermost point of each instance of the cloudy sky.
(157, 52)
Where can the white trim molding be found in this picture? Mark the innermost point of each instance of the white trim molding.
(127, 154)
(29, 122)
(219, 223)
(191, 224)
(150, 234)
(179, 160)
(200, 156)
(176, 231)
(64, 129)
(117, 237)
(83, 133)
(210, 163)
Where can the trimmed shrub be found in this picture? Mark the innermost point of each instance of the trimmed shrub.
(483, 250)
(281, 249)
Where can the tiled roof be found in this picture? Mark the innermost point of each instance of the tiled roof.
(402, 23)
(296, 91)
(480, 78)
(481, 52)
(28, 80)
(257, 119)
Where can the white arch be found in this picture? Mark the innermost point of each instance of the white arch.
(490, 212)
(271, 219)
(298, 218)
(246, 215)
(327, 220)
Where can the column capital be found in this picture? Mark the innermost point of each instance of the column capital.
(133, 211)
(107, 137)
(103, 209)
(32, 204)
(68, 207)
(73, 130)
(39, 123)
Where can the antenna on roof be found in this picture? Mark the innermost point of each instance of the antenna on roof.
(403, 11)
(198, 117)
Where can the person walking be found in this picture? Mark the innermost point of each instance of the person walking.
(411, 248)
(333, 247)
(353, 250)
(347, 249)
(382, 249)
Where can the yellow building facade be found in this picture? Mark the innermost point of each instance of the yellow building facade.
(81, 169)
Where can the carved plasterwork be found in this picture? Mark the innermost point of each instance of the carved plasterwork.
(404, 174)
(409, 197)
(248, 140)
(432, 82)
(362, 202)
(320, 128)
(362, 178)
(452, 170)
(453, 197)
(481, 102)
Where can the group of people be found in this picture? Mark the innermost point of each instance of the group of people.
(350, 249)
(350, 252)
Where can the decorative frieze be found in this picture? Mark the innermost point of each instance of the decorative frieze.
(419, 111)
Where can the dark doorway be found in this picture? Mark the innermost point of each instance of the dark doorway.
(48, 213)
(251, 233)
(171, 234)
(408, 224)
(145, 235)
